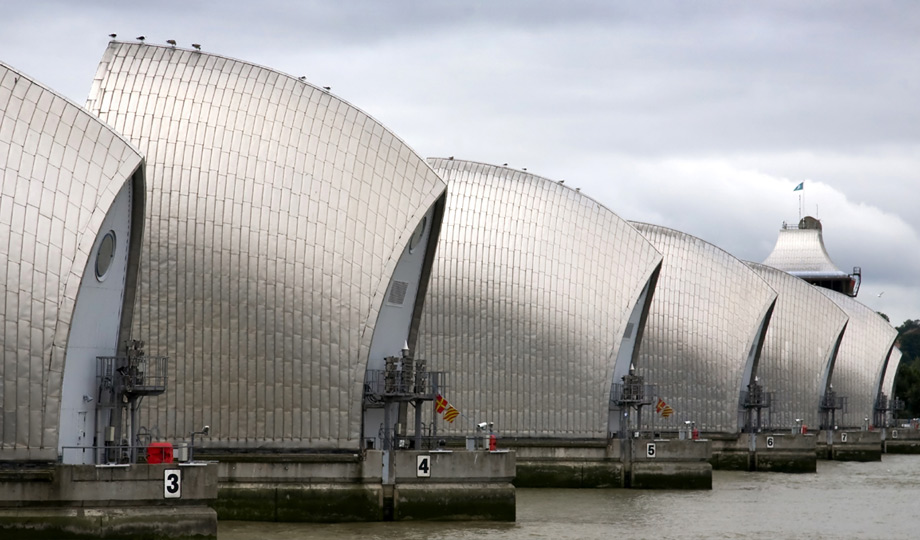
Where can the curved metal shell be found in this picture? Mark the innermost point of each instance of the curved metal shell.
(277, 216)
(704, 332)
(62, 170)
(861, 361)
(887, 397)
(799, 349)
(891, 370)
(529, 300)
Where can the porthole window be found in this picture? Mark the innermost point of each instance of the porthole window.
(105, 255)
(417, 234)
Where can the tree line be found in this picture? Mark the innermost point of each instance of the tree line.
(907, 380)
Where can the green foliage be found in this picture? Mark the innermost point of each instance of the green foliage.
(907, 380)
(909, 340)
(907, 387)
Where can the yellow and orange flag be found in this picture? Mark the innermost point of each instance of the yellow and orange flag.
(451, 414)
(663, 409)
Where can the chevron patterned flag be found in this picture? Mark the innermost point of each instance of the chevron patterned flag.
(440, 403)
(663, 409)
(451, 414)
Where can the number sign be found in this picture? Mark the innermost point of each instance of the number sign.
(172, 484)
(423, 466)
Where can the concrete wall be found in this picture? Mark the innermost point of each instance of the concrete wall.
(773, 452)
(309, 487)
(849, 445)
(349, 487)
(670, 464)
(462, 485)
(567, 464)
(85, 501)
(676, 464)
(901, 441)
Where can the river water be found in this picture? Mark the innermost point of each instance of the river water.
(879, 500)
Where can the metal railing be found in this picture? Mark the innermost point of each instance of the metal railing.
(99, 455)
(756, 398)
(112, 455)
(885, 409)
(402, 382)
(830, 404)
(137, 375)
(632, 393)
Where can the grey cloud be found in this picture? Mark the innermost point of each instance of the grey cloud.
(599, 93)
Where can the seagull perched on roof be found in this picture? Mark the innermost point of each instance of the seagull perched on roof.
(140, 38)
(171, 42)
(302, 77)
(113, 36)
(196, 46)
(327, 88)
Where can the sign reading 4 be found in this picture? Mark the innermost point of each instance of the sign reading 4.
(423, 466)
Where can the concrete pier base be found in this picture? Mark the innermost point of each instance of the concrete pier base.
(319, 488)
(849, 445)
(454, 502)
(670, 464)
(299, 502)
(570, 473)
(426, 485)
(562, 464)
(457, 485)
(165, 501)
(901, 441)
(136, 523)
(769, 452)
(624, 463)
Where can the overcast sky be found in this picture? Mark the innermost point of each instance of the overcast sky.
(701, 116)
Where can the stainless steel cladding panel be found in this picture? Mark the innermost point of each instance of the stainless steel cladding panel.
(801, 342)
(891, 370)
(61, 169)
(529, 299)
(706, 318)
(861, 361)
(887, 409)
(277, 215)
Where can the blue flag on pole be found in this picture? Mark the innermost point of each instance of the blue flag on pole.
(799, 187)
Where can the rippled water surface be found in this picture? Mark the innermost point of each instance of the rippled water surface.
(844, 500)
